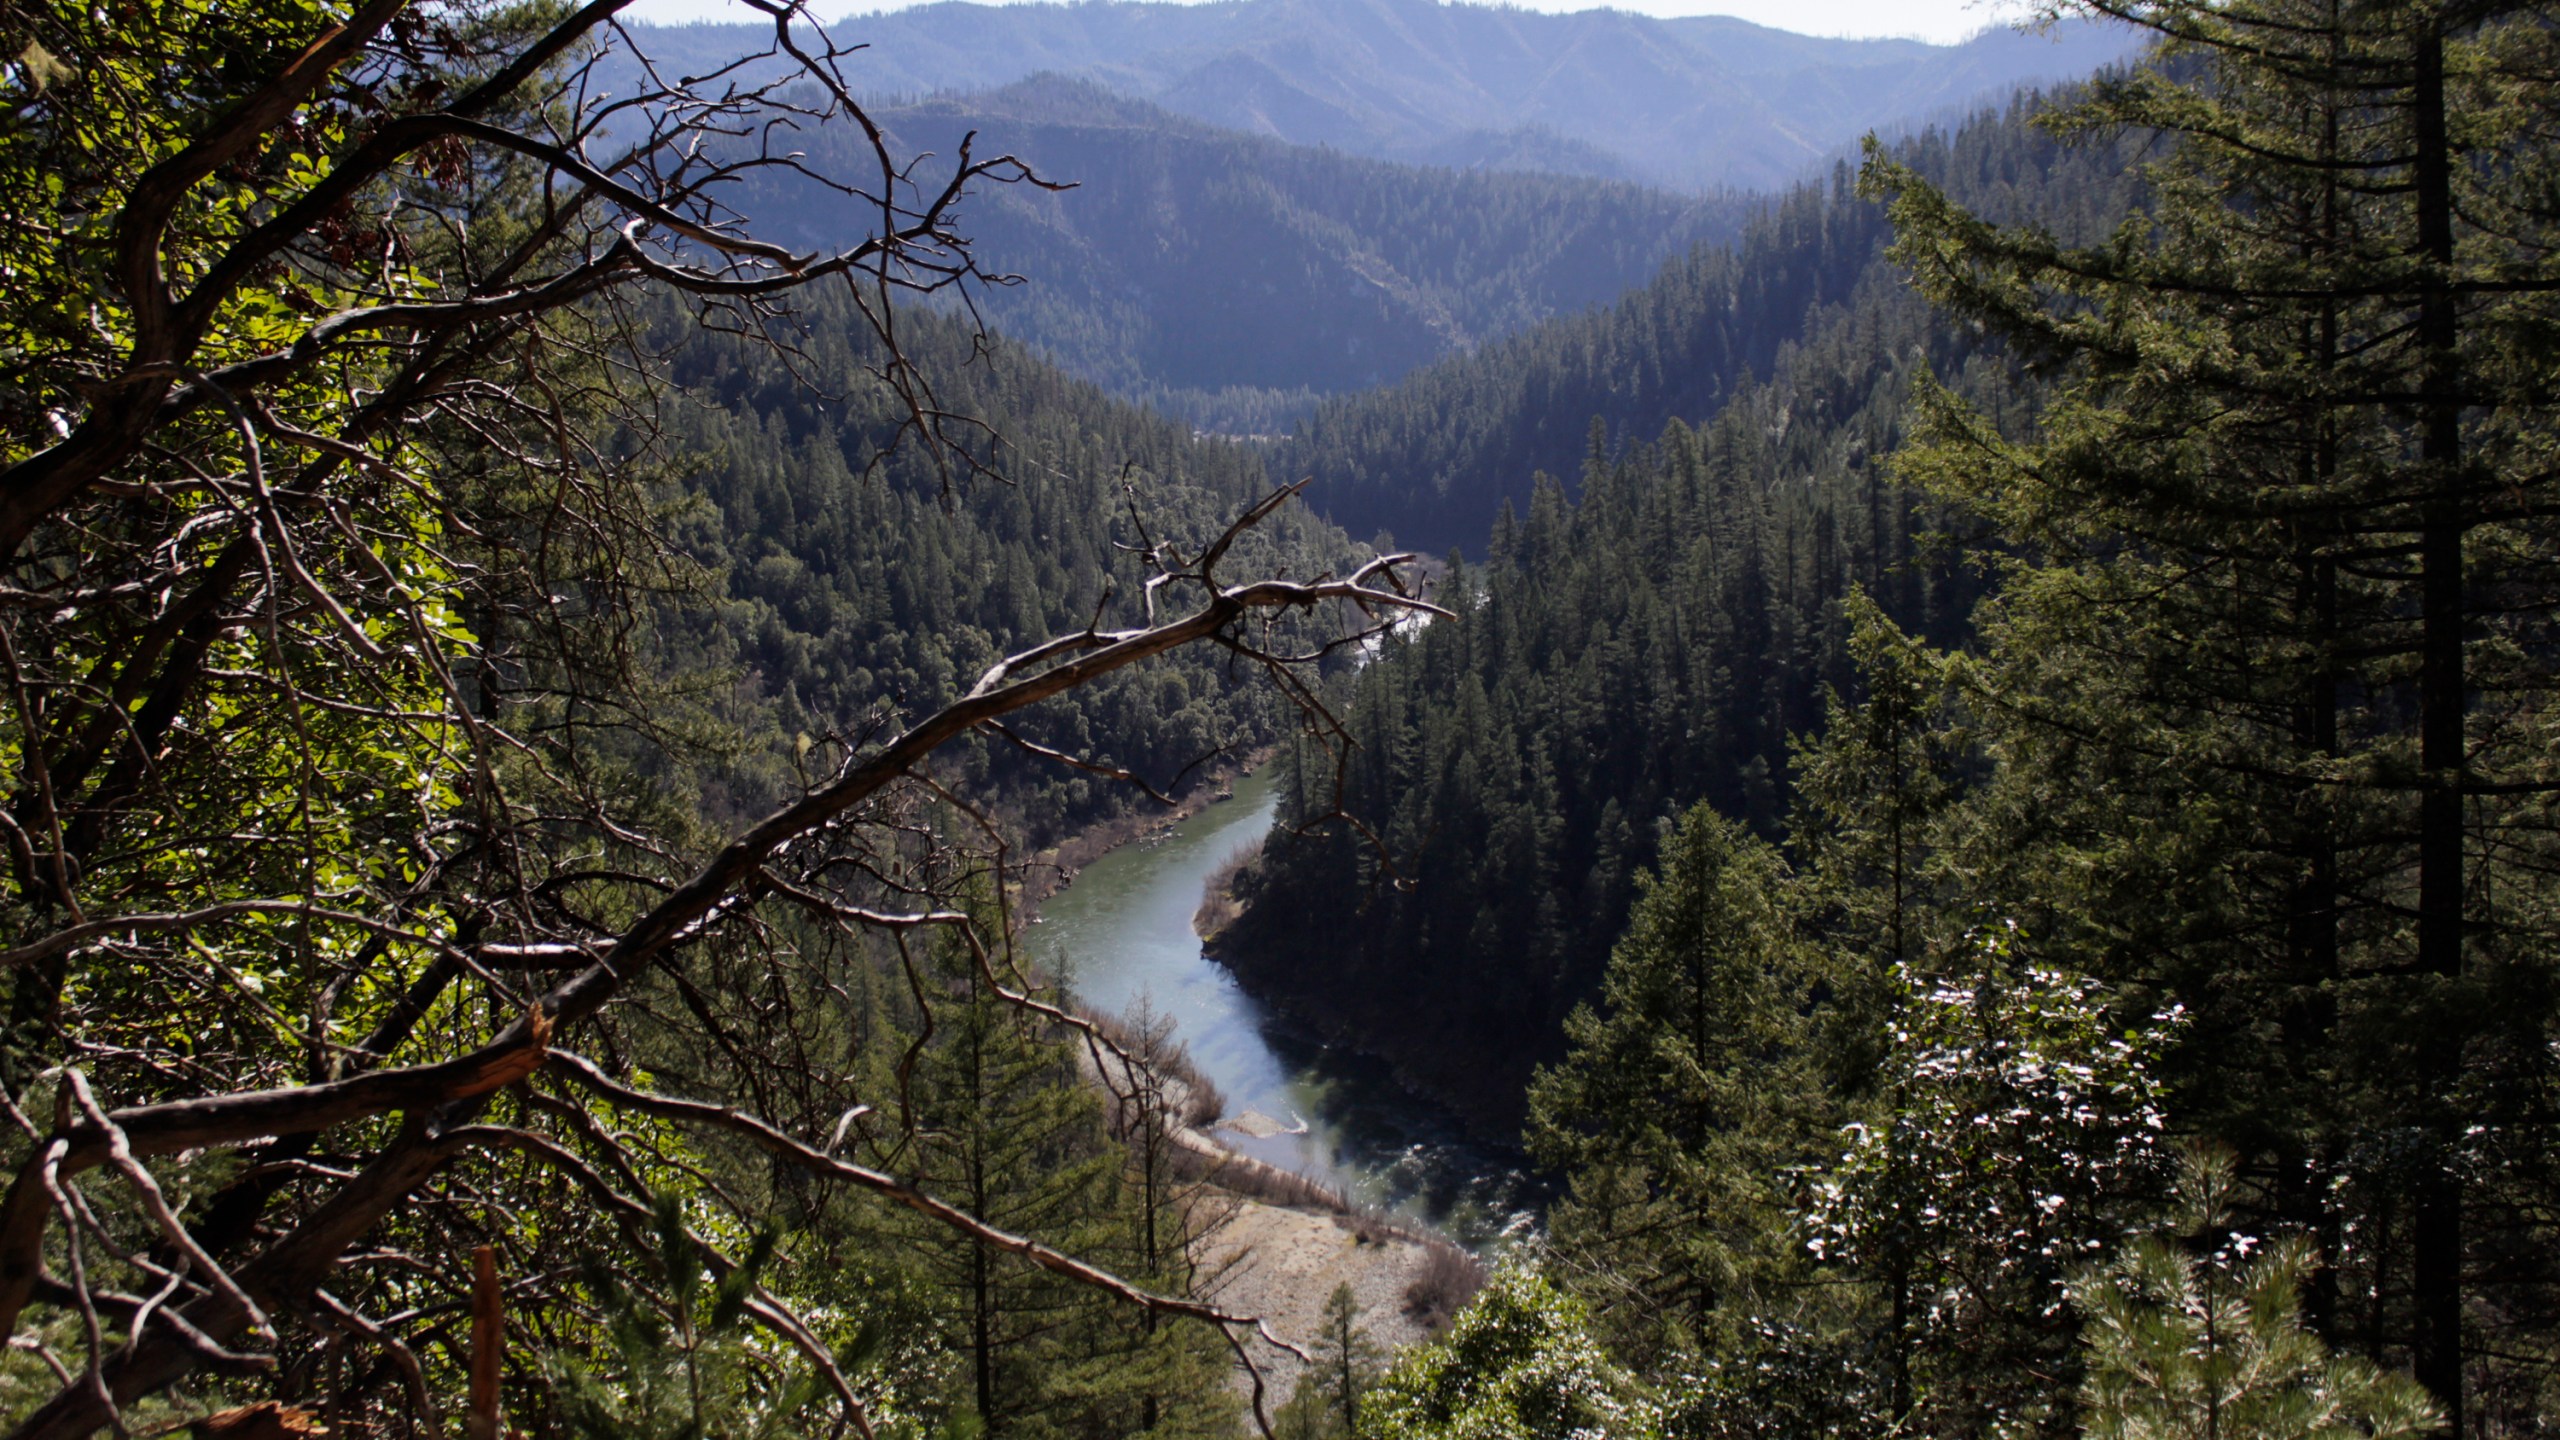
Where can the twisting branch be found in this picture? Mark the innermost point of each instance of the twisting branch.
(898, 1192)
(1055, 756)
(686, 914)
(446, 1093)
(331, 556)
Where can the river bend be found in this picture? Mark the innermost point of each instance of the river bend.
(1121, 937)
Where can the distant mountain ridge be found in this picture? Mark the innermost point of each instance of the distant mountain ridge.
(1696, 103)
(1232, 279)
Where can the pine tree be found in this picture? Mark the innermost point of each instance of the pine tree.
(1346, 1358)
(1874, 789)
(2198, 1335)
(1327, 1402)
(1872, 793)
(1139, 1373)
(997, 1120)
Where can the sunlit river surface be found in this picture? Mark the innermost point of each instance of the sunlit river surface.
(1122, 935)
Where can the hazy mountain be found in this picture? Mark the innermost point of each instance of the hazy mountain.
(1432, 458)
(1694, 103)
(1231, 278)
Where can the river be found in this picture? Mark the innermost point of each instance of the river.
(1121, 937)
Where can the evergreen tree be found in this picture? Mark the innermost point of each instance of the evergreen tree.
(1685, 1098)
(1328, 1398)
(1871, 790)
(2197, 1334)
(2268, 678)
(1345, 1357)
(1140, 1374)
(996, 1119)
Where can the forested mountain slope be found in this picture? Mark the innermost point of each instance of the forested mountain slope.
(1224, 276)
(858, 579)
(1615, 659)
(1611, 662)
(2149, 1023)
(1696, 103)
(1431, 458)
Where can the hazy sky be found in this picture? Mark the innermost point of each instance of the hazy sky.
(1939, 20)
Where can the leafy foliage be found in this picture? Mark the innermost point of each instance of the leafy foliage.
(2016, 1113)
(2018, 1123)
(364, 730)
(1520, 1363)
(685, 1366)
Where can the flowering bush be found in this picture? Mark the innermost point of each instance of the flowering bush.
(2018, 1124)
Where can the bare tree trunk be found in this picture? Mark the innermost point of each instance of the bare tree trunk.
(2437, 1217)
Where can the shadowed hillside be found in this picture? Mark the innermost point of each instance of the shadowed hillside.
(1231, 279)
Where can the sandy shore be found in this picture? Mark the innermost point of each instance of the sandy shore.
(1282, 1264)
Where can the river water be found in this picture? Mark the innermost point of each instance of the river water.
(1121, 937)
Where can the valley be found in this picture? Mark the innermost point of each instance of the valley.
(1322, 719)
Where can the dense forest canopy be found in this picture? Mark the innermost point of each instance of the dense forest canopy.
(2186, 876)
(854, 577)
(1660, 633)
(1432, 459)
